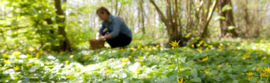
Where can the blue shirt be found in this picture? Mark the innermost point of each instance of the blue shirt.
(115, 25)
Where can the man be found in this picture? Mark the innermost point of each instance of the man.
(113, 29)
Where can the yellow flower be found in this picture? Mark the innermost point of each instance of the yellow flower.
(66, 61)
(227, 63)
(149, 49)
(206, 72)
(205, 59)
(61, 53)
(7, 62)
(71, 56)
(239, 54)
(157, 46)
(140, 57)
(108, 71)
(139, 46)
(192, 46)
(131, 48)
(245, 57)
(172, 47)
(85, 57)
(259, 68)
(129, 56)
(264, 58)
(27, 55)
(179, 70)
(175, 43)
(30, 64)
(37, 55)
(125, 60)
(181, 81)
(147, 53)
(211, 46)
(147, 77)
(142, 63)
(264, 75)
(4, 54)
(248, 78)
(69, 76)
(145, 47)
(249, 74)
(16, 68)
(267, 70)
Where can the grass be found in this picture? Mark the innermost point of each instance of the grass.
(227, 61)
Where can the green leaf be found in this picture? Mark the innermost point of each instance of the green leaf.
(196, 79)
(231, 28)
(188, 35)
(220, 18)
(226, 8)
(16, 53)
(194, 73)
(235, 81)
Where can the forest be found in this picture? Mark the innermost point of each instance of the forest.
(173, 41)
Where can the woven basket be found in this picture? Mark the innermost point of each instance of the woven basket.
(96, 44)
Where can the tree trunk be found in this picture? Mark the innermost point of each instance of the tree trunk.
(60, 19)
(229, 20)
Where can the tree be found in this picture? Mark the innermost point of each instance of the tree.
(198, 18)
(227, 24)
(60, 19)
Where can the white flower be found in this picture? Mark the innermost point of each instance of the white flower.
(51, 57)
(22, 56)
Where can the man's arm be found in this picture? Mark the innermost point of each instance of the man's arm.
(116, 29)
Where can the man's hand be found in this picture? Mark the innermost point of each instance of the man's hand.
(102, 38)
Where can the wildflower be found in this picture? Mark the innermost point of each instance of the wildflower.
(16, 68)
(140, 57)
(175, 43)
(239, 54)
(30, 64)
(249, 74)
(85, 57)
(138, 46)
(179, 70)
(147, 77)
(264, 58)
(264, 75)
(7, 62)
(147, 53)
(4, 54)
(205, 59)
(206, 72)
(37, 55)
(248, 78)
(245, 57)
(267, 70)
(149, 49)
(108, 71)
(172, 47)
(66, 61)
(181, 81)
(71, 56)
(157, 46)
(69, 76)
(210, 46)
(125, 60)
(227, 63)
(142, 63)
(131, 48)
(129, 56)
(259, 68)
(145, 47)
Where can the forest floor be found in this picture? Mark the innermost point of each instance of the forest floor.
(220, 62)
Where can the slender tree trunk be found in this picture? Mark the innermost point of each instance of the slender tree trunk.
(60, 19)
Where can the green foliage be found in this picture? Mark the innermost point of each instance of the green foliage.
(226, 8)
(219, 62)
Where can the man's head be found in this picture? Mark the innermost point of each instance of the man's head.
(103, 13)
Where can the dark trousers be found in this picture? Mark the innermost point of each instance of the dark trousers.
(121, 40)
